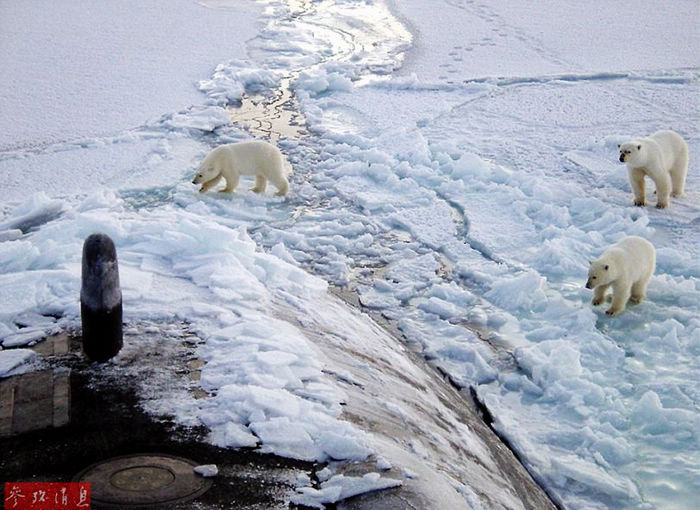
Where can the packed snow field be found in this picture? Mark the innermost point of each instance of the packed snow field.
(459, 171)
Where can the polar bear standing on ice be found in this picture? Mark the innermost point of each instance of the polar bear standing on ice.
(230, 161)
(664, 158)
(627, 266)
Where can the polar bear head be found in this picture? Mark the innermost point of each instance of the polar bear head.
(601, 272)
(211, 166)
(205, 174)
(632, 153)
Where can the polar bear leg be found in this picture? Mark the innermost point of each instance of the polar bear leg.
(283, 190)
(636, 178)
(639, 288)
(210, 184)
(619, 301)
(260, 184)
(281, 184)
(678, 172)
(639, 291)
(599, 294)
(663, 189)
(231, 184)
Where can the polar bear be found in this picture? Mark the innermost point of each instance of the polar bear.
(627, 266)
(664, 158)
(230, 161)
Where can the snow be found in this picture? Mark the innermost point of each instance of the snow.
(459, 171)
(520, 40)
(75, 73)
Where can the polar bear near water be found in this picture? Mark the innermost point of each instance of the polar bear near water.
(230, 161)
(664, 158)
(625, 266)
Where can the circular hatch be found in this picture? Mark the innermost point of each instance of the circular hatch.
(143, 481)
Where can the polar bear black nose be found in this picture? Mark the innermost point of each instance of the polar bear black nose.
(622, 158)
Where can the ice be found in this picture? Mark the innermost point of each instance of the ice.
(286, 419)
(322, 81)
(522, 292)
(230, 80)
(33, 291)
(532, 221)
(12, 361)
(650, 416)
(383, 464)
(460, 180)
(25, 336)
(39, 209)
(235, 435)
(340, 487)
(205, 119)
(178, 244)
(207, 470)
(573, 469)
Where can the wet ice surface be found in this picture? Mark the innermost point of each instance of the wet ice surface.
(459, 172)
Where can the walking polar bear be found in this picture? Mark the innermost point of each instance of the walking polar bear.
(664, 158)
(230, 161)
(625, 266)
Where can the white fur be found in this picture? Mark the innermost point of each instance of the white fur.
(625, 266)
(664, 158)
(230, 161)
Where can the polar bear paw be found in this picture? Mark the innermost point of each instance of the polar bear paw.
(612, 312)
